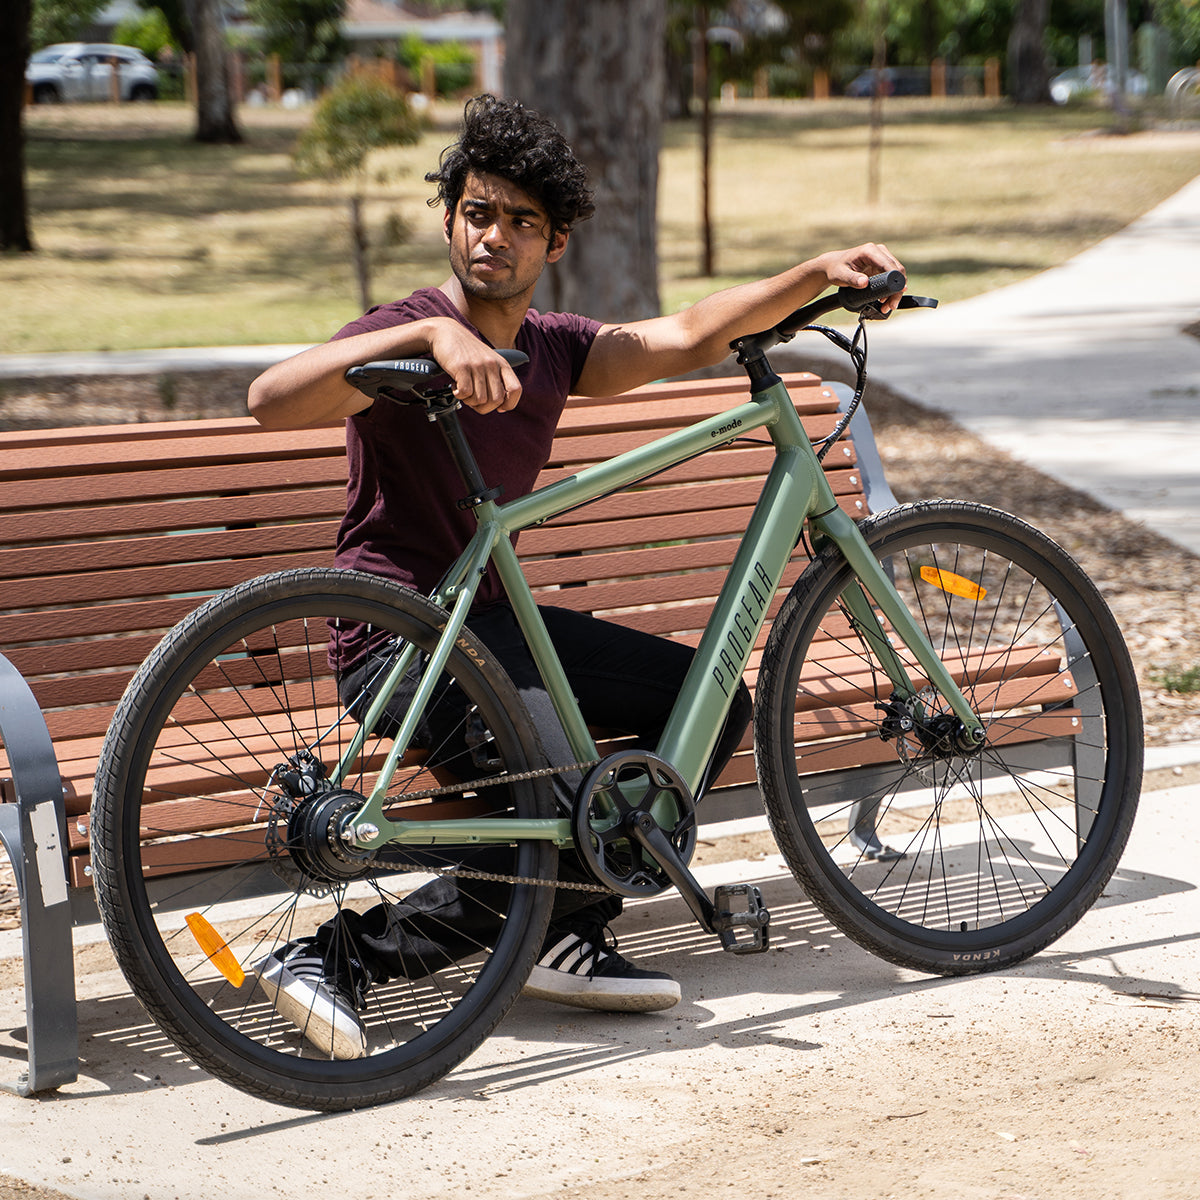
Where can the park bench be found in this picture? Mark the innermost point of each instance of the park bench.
(112, 534)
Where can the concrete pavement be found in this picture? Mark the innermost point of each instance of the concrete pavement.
(813, 1070)
(1083, 371)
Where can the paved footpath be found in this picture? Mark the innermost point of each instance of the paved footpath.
(1083, 371)
(813, 1070)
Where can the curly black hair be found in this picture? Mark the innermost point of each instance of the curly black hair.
(504, 138)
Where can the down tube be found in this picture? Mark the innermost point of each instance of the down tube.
(695, 723)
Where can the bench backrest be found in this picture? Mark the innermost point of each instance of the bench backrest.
(112, 534)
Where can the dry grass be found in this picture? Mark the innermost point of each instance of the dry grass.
(149, 240)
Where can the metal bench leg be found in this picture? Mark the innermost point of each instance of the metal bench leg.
(34, 833)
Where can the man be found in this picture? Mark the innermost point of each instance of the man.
(512, 190)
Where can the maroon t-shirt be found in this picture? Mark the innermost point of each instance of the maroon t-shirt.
(401, 517)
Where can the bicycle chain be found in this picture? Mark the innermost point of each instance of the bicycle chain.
(493, 876)
(491, 780)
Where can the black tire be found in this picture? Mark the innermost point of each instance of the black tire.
(46, 93)
(947, 862)
(231, 694)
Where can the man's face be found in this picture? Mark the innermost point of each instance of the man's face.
(500, 239)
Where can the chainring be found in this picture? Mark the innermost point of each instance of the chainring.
(613, 794)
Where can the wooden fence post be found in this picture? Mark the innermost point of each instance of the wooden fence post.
(991, 79)
(937, 78)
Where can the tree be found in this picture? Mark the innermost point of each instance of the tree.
(14, 53)
(361, 114)
(597, 70)
(1181, 19)
(1028, 73)
(60, 20)
(215, 120)
(301, 32)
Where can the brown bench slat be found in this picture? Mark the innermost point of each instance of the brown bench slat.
(123, 520)
(165, 483)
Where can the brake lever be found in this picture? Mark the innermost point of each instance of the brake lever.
(872, 311)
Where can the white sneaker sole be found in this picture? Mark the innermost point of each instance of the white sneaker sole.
(601, 994)
(329, 1030)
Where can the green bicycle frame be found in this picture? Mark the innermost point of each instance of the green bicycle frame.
(795, 491)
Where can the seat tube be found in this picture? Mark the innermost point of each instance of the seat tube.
(562, 695)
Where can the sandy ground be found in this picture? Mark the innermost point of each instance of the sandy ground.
(812, 1070)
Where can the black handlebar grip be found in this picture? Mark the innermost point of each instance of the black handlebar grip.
(879, 287)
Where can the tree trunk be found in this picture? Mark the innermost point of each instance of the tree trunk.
(215, 120)
(14, 52)
(597, 70)
(1028, 76)
(361, 250)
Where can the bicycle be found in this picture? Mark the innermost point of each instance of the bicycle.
(997, 810)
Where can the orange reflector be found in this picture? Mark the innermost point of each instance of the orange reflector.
(956, 585)
(214, 947)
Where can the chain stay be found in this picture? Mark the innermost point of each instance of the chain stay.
(493, 876)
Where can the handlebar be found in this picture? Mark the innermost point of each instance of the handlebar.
(863, 301)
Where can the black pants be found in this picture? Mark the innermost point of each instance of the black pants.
(624, 680)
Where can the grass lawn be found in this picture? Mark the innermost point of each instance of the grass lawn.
(146, 239)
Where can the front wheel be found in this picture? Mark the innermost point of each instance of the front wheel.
(933, 855)
(217, 839)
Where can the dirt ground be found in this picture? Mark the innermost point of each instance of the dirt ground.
(985, 1089)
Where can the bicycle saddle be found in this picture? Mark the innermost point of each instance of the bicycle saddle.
(410, 380)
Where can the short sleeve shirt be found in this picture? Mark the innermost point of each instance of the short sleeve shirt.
(402, 520)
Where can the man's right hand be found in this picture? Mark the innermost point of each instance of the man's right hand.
(482, 379)
(310, 388)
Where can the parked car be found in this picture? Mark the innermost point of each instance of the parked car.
(1078, 82)
(893, 81)
(74, 71)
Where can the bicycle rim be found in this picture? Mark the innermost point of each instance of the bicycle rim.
(933, 858)
(209, 858)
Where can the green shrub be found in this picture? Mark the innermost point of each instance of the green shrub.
(453, 63)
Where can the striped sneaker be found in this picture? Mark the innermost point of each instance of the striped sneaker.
(295, 980)
(582, 970)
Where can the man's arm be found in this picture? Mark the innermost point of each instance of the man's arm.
(626, 356)
(310, 388)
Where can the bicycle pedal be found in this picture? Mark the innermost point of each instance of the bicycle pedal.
(746, 928)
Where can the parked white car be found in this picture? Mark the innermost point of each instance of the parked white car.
(1079, 82)
(75, 71)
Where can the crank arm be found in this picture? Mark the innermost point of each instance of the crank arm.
(644, 829)
(743, 929)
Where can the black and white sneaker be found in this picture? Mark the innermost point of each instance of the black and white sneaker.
(582, 970)
(295, 980)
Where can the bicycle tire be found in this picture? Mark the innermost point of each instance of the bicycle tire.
(950, 863)
(234, 691)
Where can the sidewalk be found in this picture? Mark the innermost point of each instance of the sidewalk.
(1083, 371)
(813, 1070)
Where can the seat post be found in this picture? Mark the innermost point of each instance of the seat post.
(464, 458)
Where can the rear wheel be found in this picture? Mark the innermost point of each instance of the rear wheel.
(935, 856)
(217, 839)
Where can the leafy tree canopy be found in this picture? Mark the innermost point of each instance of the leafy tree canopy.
(1181, 19)
(62, 20)
(301, 31)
